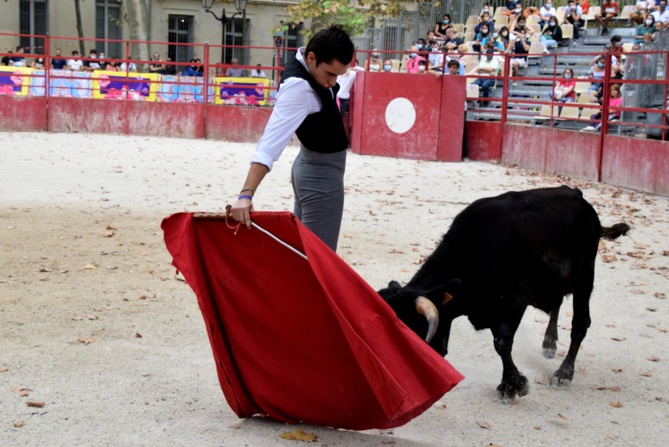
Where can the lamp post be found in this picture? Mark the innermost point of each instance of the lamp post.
(240, 5)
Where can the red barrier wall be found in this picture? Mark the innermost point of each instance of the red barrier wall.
(451, 118)
(22, 114)
(569, 153)
(184, 120)
(233, 123)
(637, 164)
(484, 140)
(356, 106)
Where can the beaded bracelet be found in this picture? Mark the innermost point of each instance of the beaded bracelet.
(253, 191)
(245, 196)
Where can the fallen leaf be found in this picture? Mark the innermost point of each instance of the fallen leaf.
(85, 341)
(616, 404)
(138, 335)
(615, 389)
(617, 370)
(4, 369)
(609, 258)
(35, 404)
(562, 416)
(663, 330)
(21, 391)
(612, 436)
(109, 227)
(18, 424)
(651, 309)
(611, 325)
(89, 267)
(299, 435)
(536, 427)
(654, 359)
(660, 295)
(483, 424)
(388, 442)
(618, 338)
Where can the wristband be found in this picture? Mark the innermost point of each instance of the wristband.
(245, 196)
(253, 191)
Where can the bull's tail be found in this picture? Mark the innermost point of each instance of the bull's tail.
(611, 233)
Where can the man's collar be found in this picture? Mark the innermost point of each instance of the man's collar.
(300, 57)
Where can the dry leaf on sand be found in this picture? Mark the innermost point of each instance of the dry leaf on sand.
(299, 435)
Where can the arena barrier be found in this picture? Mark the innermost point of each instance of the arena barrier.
(391, 114)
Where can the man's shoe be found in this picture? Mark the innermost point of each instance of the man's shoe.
(588, 129)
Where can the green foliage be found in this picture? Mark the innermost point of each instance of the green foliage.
(330, 12)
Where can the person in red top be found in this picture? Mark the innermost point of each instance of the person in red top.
(585, 6)
(610, 9)
(564, 88)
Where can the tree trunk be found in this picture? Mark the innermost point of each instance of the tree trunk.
(80, 28)
(137, 17)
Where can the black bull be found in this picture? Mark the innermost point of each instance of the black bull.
(500, 255)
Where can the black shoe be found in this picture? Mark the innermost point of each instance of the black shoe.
(605, 31)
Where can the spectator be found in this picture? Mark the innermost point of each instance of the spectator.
(91, 65)
(112, 65)
(75, 64)
(18, 60)
(573, 15)
(519, 47)
(374, 63)
(610, 9)
(564, 90)
(497, 44)
(521, 30)
(170, 69)
(584, 4)
(192, 69)
(234, 71)
(514, 12)
(258, 72)
(488, 66)
(648, 40)
(452, 39)
(441, 27)
(422, 45)
(5, 59)
(615, 102)
(504, 36)
(661, 16)
(38, 63)
(431, 36)
(346, 82)
(486, 9)
(422, 66)
(598, 71)
(453, 67)
(545, 13)
(435, 58)
(641, 11)
(128, 66)
(411, 65)
(484, 21)
(156, 65)
(551, 36)
(57, 63)
(387, 66)
(483, 34)
(647, 28)
(103, 61)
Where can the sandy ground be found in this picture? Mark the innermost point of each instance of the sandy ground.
(95, 325)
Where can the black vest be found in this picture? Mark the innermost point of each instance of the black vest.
(322, 131)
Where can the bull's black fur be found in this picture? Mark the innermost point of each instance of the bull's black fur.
(502, 254)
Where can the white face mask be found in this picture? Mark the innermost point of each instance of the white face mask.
(421, 68)
(649, 22)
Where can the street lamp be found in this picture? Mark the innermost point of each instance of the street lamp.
(241, 9)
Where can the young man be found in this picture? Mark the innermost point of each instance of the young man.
(610, 9)
(573, 14)
(305, 104)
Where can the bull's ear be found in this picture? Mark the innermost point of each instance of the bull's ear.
(394, 285)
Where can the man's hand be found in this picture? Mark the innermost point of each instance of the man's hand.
(241, 211)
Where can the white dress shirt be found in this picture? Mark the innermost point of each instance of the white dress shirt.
(295, 100)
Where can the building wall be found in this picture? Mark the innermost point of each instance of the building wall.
(264, 16)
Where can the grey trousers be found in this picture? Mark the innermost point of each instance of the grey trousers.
(318, 184)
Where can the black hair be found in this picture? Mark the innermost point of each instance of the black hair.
(453, 63)
(93, 50)
(331, 43)
(617, 38)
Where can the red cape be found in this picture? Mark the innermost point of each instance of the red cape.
(302, 340)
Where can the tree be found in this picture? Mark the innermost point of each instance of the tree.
(80, 27)
(136, 15)
(353, 19)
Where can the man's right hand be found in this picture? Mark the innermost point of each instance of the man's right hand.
(241, 211)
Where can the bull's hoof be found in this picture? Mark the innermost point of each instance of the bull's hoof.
(549, 353)
(560, 380)
(508, 391)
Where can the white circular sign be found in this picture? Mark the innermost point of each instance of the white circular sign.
(400, 115)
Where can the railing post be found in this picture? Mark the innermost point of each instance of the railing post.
(47, 77)
(505, 89)
(604, 112)
(205, 94)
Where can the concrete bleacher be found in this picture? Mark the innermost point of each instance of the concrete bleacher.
(547, 66)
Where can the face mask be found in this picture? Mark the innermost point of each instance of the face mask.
(521, 24)
(446, 21)
(435, 48)
(421, 68)
(567, 76)
(504, 34)
(649, 22)
(412, 55)
(552, 24)
(495, 36)
(549, 5)
(486, 10)
(517, 10)
(600, 64)
(484, 31)
(420, 46)
(387, 67)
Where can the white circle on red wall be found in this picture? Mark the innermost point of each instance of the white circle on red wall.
(400, 115)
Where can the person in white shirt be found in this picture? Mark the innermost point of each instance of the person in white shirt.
(258, 72)
(346, 82)
(305, 105)
(545, 13)
(75, 64)
(641, 10)
(131, 67)
(661, 16)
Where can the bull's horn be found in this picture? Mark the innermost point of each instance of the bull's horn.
(427, 309)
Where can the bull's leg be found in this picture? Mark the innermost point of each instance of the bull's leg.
(579, 327)
(513, 381)
(551, 336)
